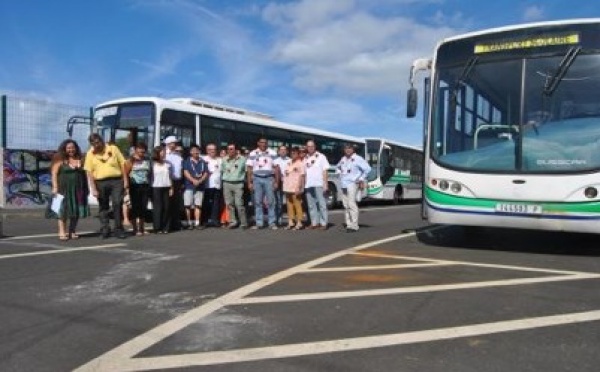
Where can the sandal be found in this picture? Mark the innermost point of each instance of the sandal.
(289, 227)
(298, 227)
(63, 237)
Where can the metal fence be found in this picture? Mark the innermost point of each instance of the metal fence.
(30, 132)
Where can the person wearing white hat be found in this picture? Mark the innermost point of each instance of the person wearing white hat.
(175, 159)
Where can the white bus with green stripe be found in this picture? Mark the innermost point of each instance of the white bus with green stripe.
(396, 170)
(512, 127)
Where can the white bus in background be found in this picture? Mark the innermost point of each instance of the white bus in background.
(512, 127)
(396, 170)
(150, 119)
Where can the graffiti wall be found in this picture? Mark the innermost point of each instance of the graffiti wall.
(27, 179)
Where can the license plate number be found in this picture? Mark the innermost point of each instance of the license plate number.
(519, 208)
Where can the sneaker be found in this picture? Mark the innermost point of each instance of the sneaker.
(273, 227)
(348, 230)
(257, 227)
(244, 227)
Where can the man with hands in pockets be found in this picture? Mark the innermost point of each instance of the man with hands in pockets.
(353, 170)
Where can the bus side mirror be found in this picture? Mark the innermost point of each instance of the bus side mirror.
(411, 103)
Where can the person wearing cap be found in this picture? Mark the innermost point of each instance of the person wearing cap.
(353, 170)
(108, 179)
(175, 159)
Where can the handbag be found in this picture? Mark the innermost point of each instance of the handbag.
(50, 214)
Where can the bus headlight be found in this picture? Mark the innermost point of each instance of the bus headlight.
(455, 187)
(444, 185)
(590, 192)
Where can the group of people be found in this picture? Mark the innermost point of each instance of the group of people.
(198, 187)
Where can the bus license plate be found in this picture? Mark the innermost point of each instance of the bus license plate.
(519, 208)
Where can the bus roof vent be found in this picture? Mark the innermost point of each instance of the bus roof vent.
(219, 107)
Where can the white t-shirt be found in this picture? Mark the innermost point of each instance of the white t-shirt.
(161, 175)
(282, 163)
(214, 172)
(315, 164)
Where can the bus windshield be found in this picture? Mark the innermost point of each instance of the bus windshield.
(518, 112)
(126, 124)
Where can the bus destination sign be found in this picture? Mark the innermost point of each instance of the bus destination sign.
(526, 43)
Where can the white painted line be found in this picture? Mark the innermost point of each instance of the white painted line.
(368, 209)
(348, 344)
(59, 251)
(470, 263)
(415, 289)
(25, 237)
(375, 267)
(117, 359)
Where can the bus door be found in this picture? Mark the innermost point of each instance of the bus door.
(183, 125)
(386, 168)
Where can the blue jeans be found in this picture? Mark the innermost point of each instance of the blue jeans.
(263, 193)
(317, 206)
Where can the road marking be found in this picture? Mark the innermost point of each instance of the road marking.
(122, 358)
(59, 251)
(116, 359)
(349, 344)
(415, 289)
(469, 263)
(25, 237)
(376, 267)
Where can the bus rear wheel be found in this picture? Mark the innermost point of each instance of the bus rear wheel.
(332, 199)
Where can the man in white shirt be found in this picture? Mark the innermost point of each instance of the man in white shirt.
(282, 162)
(175, 159)
(316, 186)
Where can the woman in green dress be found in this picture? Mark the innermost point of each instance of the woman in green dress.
(69, 180)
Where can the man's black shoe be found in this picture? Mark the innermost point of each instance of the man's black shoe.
(351, 230)
(105, 233)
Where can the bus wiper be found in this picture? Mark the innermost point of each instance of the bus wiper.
(553, 81)
(467, 69)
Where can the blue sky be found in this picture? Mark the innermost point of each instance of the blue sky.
(339, 65)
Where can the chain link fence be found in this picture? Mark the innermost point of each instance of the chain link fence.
(31, 131)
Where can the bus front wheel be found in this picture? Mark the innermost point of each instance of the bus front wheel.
(397, 196)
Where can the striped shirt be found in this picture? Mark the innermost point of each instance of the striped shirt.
(262, 162)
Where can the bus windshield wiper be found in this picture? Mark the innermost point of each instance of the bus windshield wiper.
(466, 72)
(553, 81)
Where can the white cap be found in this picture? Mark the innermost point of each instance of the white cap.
(170, 139)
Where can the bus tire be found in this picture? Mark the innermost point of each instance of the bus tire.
(397, 199)
(332, 197)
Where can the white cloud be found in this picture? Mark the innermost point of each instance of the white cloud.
(344, 46)
(533, 13)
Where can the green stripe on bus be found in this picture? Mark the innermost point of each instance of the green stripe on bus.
(458, 201)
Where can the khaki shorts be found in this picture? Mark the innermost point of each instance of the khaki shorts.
(193, 198)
